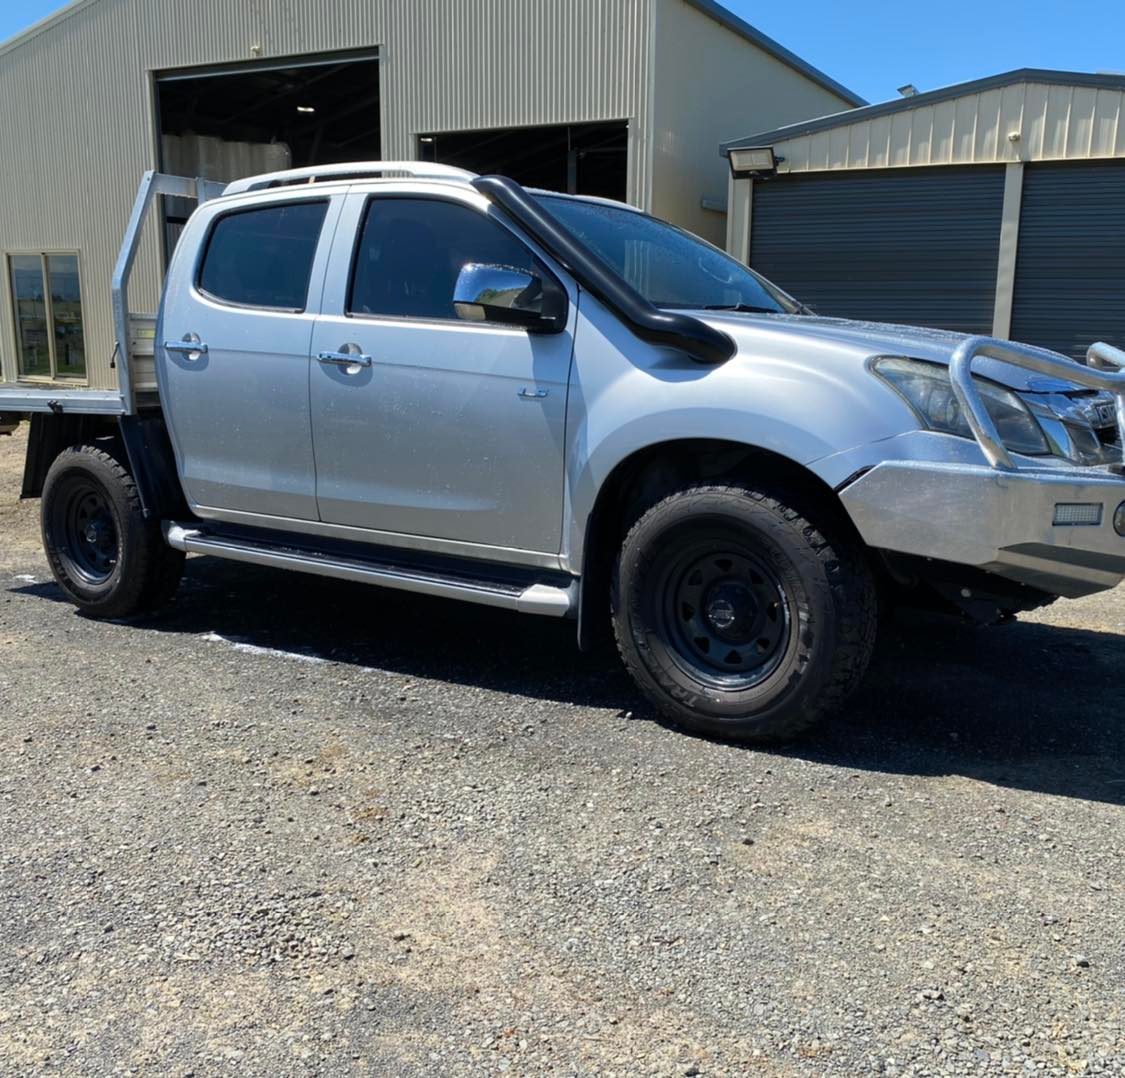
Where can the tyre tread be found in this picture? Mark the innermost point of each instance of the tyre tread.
(849, 579)
(155, 569)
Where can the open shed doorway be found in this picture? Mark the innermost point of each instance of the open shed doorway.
(224, 123)
(580, 159)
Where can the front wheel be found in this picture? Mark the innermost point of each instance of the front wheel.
(737, 615)
(109, 559)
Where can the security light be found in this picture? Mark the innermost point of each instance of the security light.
(305, 108)
(752, 161)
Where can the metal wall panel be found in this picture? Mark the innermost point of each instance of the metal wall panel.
(502, 63)
(712, 82)
(74, 138)
(1070, 265)
(917, 247)
(77, 127)
(1053, 122)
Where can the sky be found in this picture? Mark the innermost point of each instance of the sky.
(876, 46)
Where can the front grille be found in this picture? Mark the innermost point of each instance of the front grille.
(1099, 412)
(1109, 436)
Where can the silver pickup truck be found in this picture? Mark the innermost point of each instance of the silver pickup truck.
(406, 375)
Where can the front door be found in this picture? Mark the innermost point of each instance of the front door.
(233, 357)
(441, 428)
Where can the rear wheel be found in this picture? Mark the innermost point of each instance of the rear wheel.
(738, 616)
(109, 559)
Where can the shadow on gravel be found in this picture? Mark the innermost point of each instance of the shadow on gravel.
(1027, 706)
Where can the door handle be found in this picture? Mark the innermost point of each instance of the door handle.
(344, 359)
(191, 346)
(532, 394)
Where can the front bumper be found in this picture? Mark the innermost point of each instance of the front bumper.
(1006, 522)
(1049, 525)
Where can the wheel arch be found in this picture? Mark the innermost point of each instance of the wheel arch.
(145, 448)
(646, 475)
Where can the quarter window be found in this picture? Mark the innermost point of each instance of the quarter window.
(263, 257)
(412, 249)
(47, 307)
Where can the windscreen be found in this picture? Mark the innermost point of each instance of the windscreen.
(668, 266)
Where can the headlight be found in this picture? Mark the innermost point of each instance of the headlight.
(927, 389)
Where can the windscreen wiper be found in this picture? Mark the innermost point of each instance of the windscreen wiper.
(743, 308)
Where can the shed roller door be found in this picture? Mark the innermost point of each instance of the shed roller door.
(1070, 268)
(916, 246)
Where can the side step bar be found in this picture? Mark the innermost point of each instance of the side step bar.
(545, 599)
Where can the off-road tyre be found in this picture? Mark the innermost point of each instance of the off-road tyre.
(704, 567)
(106, 556)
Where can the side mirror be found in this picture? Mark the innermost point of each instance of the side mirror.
(514, 297)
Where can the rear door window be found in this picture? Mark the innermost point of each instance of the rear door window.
(263, 257)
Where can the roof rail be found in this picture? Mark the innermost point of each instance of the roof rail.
(354, 170)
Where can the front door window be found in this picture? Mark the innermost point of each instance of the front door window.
(412, 249)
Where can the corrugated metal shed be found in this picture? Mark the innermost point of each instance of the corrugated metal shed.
(85, 135)
(1056, 139)
(78, 128)
(1056, 115)
(703, 84)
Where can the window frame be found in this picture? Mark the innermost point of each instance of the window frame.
(259, 207)
(357, 240)
(43, 253)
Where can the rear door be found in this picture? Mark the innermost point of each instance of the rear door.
(455, 430)
(233, 355)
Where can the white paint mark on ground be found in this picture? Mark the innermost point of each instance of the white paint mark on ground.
(254, 649)
(26, 578)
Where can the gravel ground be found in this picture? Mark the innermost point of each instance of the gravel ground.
(298, 827)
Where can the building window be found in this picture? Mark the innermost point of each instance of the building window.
(47, 310)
